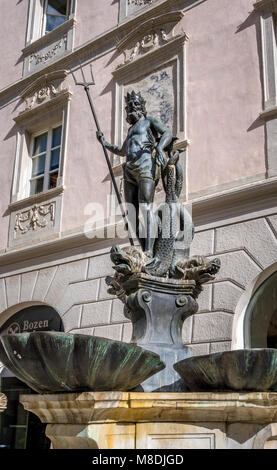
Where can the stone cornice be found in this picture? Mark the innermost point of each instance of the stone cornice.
(90, 407)
(235, 202)
(106, 40)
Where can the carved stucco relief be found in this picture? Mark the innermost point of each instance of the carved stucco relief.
(38, 216)
(150, 41)
(44, 89)
(131, 6)
(149, 36)
(43, 57)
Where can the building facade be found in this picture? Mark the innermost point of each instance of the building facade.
(207, 69)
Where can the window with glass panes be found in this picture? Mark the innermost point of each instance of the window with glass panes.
(56, 12)
(46, 151)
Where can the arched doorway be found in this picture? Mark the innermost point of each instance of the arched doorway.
(20, 429)
(261, 315)
(255, 322)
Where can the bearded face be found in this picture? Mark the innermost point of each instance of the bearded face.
(134, 111)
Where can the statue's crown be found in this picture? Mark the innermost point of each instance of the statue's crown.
(135, 96)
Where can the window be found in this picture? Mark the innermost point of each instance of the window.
(45, 155)
(56, 12)
(50, 32)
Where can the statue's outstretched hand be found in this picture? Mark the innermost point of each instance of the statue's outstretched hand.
(161, 158)
(100, 137)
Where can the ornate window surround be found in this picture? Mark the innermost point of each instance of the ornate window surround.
(40, 49)
(268, 10)
(47, 103)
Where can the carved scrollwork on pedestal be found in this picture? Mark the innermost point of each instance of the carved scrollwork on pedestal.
(181, 301)
(35, 217)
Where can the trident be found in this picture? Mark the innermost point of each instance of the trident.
(86, 86)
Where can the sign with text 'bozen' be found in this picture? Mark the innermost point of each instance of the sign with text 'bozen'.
(35, 318)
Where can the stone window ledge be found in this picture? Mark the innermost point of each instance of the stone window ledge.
(269, 112)
(266, 5)
(36, 198)
(49, 37)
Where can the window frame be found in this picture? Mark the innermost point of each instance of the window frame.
(44, 17)
(37, 23)
(47, 171)
(267, 10)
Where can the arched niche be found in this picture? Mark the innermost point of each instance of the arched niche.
(255, 320)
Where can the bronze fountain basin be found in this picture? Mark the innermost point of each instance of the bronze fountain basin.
(50, 362)
(239, 370)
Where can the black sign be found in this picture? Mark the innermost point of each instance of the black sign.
(35, 318)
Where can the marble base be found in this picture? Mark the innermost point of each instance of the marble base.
(122, 420)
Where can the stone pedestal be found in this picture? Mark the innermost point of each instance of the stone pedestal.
(157, 308)
(122, 420)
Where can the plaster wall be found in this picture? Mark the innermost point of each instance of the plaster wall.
(86, 172)
(13, 29)
(94, 18)
(224, 94)
(7, 158)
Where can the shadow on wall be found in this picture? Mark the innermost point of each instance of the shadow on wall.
(254, 20)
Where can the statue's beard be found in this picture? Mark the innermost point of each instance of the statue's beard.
(133, 116)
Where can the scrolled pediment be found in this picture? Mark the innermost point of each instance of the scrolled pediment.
(150, 35)
(44, 88)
